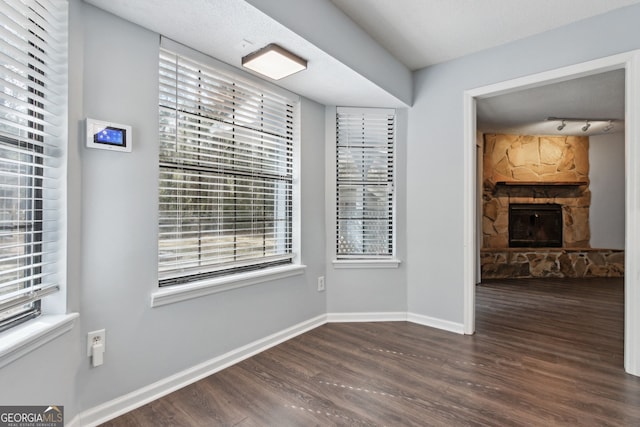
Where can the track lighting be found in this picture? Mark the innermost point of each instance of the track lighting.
(596, 125)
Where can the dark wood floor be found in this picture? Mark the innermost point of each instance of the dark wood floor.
(546, 353)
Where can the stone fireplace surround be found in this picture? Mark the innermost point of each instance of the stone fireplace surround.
(540, 170)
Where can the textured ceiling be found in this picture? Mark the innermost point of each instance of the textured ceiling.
(420, 33)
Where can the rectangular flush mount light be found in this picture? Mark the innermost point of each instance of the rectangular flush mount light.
(274, 62)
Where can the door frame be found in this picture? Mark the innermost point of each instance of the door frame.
(630, 62)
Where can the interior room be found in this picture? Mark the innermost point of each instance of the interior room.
(575, 169)
(390, 235)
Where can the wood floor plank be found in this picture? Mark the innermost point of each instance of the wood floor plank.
(545, 353)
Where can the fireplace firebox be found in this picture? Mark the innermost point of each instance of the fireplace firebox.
(535, 225)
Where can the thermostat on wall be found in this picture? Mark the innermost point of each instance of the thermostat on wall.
(108, 136)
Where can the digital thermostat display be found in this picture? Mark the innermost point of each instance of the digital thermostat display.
(108, 136)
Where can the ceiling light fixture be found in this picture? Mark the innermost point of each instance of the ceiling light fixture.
(274, 62)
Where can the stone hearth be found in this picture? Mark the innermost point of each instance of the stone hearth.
(521, 263)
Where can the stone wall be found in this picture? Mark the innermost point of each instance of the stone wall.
(523, 262)
(546, 160)
(528, 169)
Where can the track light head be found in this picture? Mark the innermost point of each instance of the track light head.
(608, 127)
(600, 124)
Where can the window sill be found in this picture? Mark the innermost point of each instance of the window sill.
(23, 339)
(172, 294)
(366, 263)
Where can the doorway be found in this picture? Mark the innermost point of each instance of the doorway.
(630, 62)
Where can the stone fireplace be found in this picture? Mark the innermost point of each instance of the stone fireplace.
(538, 170)
(535, 209)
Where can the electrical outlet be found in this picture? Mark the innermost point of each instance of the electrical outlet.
(320, 283)
(96, 337)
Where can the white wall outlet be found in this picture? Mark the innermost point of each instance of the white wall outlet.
(96, 337)
(320, 283)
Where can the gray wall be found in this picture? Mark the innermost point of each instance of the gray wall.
(364, 291)
(436, 139)
(324, 25)
(606, 173)
(112, 215)
(113, 235)
(119, 264)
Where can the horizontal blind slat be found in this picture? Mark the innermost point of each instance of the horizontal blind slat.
(226, 171)
(365, 173)
(33, 87)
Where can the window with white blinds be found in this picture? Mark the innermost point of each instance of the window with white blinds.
(226, 172)
(33, 86)
(365, 183)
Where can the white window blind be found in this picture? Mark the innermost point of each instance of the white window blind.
(33, 46)
(226, 172)
(365, 182)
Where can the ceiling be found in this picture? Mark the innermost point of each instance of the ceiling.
(426, 32)
(418, 33)
(230, 29)
(421, 33)
(599, 96)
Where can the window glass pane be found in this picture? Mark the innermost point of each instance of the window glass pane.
(33, 71)
(365, 182)
(226, 173)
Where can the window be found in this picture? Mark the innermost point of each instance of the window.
(226, 172)
(365, 183)
(32, 151)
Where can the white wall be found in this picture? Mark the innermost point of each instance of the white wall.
(435, 283)
(606, 173)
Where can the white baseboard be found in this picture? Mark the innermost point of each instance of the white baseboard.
(419, 319)
(121, 405)
(367, 317)
(135, 399)
(74, 422)
(433, 322)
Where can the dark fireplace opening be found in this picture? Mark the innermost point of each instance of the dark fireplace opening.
(535, 225)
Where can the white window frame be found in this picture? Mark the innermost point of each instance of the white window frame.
(32, 22)
(223, 282)
(386, 260)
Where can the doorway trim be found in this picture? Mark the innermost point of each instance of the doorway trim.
(630, 62)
